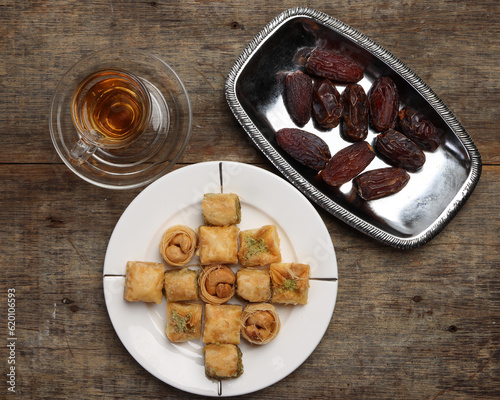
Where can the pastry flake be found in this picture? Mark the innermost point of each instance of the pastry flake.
(222, 361)
(221, 209)
(290, 283)
(218, 244)
(183, 321)
(144, 282)
(222, 323)
(259, 247)
(181, 284)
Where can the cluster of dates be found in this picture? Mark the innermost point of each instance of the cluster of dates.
(403, 134)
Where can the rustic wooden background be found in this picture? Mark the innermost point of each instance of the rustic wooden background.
(419, 324)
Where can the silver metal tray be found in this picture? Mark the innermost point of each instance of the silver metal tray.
(433, 196)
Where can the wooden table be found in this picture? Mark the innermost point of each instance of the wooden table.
(418, 324)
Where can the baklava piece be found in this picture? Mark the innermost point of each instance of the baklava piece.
(259, 247)
(290, 283)
(183, 321)
(144, 282)
(260, 323)
(218, 244)
(222, 324)
(178, 245)
(181, 284)
(217, 284)
(253, 284)
(221, 209)
(222, 361)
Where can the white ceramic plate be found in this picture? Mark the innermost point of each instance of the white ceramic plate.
(176, 199)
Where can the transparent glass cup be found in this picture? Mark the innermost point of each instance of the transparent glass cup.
(111, 108)
(120, 118)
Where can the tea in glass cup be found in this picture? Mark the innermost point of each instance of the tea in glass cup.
(120, 118)
(110, 109)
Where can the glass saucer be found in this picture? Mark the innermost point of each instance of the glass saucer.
(154, 153)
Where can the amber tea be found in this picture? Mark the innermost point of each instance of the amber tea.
(110, 108)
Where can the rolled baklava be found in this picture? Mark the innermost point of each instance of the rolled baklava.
(222, 361)
(144, 282)
(181, 284)
(221, 209)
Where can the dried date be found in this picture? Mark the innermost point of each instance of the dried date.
(383, 98)
(381, 182)
(298, 97)
(347, 163)
(399, 151)
(355, 115)
(332, 65)
(327, 104)
(305, 147)
(419, 129)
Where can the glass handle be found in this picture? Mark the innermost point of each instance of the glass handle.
(81, 152)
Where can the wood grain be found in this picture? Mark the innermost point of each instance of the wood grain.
(419, 324)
